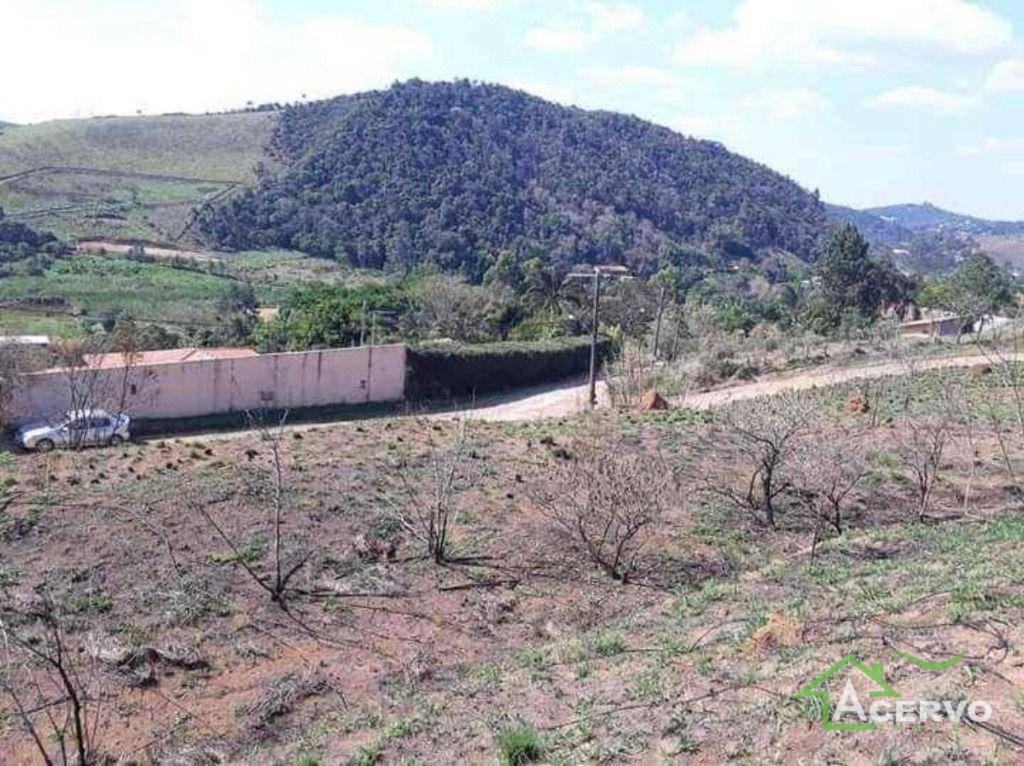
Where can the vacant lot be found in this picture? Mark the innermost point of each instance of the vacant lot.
(158, 557)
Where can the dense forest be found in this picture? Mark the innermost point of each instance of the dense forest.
(452, 173)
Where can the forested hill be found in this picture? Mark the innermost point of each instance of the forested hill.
(455, 172)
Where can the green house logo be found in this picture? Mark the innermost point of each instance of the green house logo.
(817, 689)
(874, 672)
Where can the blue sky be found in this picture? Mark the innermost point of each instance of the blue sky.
(872, 102)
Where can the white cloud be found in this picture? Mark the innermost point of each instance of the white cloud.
(768, 32)
(629, 76)
(606, 19)
(785, 105)
(546, 90)
(912, 96)
(992, 146)
(696, 125)
(561, 36)
(463, 5)
(556, 38)
(1007, 76)
(190, 55)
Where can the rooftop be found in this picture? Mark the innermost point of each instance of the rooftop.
(167, 356)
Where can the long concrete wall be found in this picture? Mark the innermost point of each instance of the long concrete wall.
(207, 387)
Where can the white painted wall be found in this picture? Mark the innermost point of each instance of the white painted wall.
(207, 387)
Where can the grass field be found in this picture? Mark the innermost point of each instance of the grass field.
(126, 177)
(274, 272)
(54, 324)
(97, 285)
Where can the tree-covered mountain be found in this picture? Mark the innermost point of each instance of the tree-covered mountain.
(928, 217)
(923, 250)
(453, 173)
(923, 237)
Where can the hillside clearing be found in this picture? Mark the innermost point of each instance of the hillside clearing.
(402, 659)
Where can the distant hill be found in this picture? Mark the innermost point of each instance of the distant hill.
(929, 239)
(455, 172)
(224, 147)
(127, 177)
(927, 217)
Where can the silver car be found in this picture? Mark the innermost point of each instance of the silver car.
(80, 428)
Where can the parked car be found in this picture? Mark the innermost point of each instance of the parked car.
(80, 428)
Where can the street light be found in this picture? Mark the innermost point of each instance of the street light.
(596, 273)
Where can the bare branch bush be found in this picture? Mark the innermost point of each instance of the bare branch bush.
(605, 504)
(826, 475)
(760, 435)
(428, 505)
(922, 445)
(89, 384)
(55, 698)
(266, 485)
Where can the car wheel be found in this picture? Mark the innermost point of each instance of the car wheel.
(116, 440)
(44, 445)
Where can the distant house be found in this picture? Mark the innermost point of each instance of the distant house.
(942, 326)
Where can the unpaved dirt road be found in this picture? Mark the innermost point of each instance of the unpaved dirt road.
(566, 400)
(556, 401)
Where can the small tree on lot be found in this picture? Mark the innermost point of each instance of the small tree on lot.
(762, 435)
(89, 385)
(51, 692)
(606, 502)
(827, 471)
(264, 484)
(427, 507)
(922, 448)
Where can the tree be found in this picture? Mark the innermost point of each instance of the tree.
(39, 659)
(980, 287)
(848, 279)
(262, 484)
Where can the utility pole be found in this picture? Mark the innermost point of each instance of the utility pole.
(657, 324)
(593, 339)
(596, 274)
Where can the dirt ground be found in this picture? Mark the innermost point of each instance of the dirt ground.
(387, 657)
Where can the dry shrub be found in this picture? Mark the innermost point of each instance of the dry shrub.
(604, 505)
(922, 445)
(629, 375)
(428, 507)
(761, 436)
(779, 632)
(827, 469)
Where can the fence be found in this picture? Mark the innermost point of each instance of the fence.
(214, 386)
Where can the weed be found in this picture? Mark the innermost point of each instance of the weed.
(519, 745)
(608, 644)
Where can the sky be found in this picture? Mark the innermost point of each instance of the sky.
(872, 102)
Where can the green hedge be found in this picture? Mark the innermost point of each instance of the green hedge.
(462, 370)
